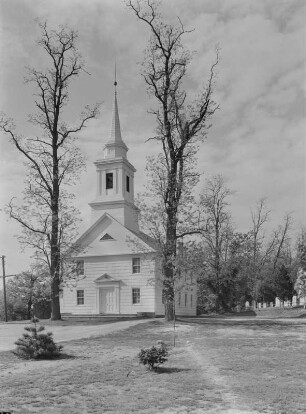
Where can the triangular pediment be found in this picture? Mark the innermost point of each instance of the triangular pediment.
(123, 240)
(106, 236)
(105, 278)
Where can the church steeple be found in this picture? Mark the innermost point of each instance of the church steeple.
(115, 147)
(115, 178)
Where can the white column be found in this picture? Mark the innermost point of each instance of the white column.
(120, 186)
(97, 300)
(103, 185)
(98, 183)
(132, 187)
(117, 181)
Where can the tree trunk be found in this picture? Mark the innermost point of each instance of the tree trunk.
(169, 266)
(169, 311)
(55, 303)
(29, 309)
(55, 246)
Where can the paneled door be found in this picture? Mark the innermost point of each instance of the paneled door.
(108, 300)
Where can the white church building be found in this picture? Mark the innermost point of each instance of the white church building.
(118, 271)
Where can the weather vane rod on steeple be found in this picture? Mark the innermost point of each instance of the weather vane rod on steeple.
(115, 83)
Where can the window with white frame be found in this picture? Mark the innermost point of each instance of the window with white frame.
(185, 299)
(80, 297)
(80, 267)
(136, 265)
(135, 296)
(191, 300)
(179, 299)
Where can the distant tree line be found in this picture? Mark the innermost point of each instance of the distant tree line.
(233, 267)
(229, 267)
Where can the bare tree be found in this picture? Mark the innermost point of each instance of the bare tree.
(282, 237)
(52, 158)
(217, 231)
(268, 251)
(180, 126)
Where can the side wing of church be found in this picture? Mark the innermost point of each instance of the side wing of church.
(118, 273)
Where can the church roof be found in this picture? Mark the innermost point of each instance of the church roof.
(147, 239)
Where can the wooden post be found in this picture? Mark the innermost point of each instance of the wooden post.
(4, 288)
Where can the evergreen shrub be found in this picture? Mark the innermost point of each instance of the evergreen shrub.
(37, 345)
(154, 356)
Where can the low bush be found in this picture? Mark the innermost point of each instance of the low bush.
(154, 356)
(37, 345)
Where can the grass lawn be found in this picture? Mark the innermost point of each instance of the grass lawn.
(218, 366)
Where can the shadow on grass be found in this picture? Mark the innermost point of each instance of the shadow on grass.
(170, 370)
(68, 356)
(15, 357)
(251, 324)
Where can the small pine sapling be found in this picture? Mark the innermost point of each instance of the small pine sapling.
(37, 345)
(154, 356)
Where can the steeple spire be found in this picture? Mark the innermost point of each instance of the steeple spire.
(115, 145)
(115, 177)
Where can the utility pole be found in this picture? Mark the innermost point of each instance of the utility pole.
(4, 287)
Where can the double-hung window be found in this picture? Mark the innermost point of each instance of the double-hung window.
(135, 296)
(80, 297)
(136, 265)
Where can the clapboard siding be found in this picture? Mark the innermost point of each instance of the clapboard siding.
(190, 309)
(119, 268)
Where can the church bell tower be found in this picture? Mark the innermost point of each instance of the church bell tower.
(115, 179)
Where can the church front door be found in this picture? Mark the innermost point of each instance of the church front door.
(108, 300)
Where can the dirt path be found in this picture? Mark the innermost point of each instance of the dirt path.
(210, 372)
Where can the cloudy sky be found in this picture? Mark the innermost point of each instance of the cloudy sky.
(257, 140)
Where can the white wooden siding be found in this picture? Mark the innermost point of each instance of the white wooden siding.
(119, 268)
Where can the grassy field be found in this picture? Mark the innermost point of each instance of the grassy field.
(218, 366)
